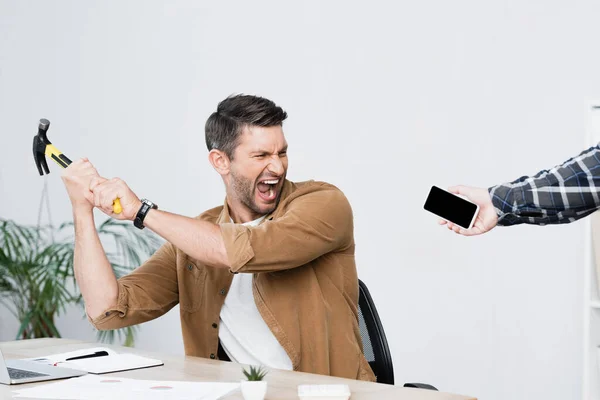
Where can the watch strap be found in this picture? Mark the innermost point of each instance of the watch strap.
(147, 205)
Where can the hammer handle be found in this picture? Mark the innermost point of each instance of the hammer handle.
(64, 162)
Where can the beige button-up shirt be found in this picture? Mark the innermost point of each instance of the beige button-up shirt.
(305, 283)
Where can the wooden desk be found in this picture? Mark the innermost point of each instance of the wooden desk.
(282, 385)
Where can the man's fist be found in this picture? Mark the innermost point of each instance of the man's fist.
(77, 177)
(105, 191)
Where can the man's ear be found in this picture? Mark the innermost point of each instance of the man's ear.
(219, 161)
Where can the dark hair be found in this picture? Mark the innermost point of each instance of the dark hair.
(224, 127)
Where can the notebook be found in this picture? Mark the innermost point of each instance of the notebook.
(98, 360)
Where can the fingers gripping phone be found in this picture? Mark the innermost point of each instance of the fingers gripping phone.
(451, 207)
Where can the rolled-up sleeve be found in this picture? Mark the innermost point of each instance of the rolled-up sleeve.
(312, 225)
(146, 293)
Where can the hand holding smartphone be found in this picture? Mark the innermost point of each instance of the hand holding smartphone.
(451, 207)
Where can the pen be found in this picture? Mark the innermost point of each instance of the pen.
(96, 354)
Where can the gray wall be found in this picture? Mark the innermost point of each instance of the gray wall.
(385, 99)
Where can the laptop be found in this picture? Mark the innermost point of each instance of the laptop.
(13, 372)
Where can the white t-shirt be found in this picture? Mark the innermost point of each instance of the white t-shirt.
(244, 335)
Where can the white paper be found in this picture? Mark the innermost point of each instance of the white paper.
(93, 387)
(113, 362)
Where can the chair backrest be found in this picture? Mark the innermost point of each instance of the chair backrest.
(375, 346)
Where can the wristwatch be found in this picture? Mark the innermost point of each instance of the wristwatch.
(147, 205)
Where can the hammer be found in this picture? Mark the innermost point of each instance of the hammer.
(43, 147)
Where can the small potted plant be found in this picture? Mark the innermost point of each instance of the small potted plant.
(254, 388)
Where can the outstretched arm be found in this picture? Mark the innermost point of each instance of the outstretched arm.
(199, 239)
(315, 223)
(563, 194)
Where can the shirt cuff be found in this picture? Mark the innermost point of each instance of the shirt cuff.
(119, 310)
(503, 199)
(237, 245)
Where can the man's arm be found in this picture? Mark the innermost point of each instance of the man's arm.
(563, 194)
(144, 294)
(199, 239)
(93, 272)
(148, 292)
(314, 224)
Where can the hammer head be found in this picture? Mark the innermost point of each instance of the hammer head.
(39, 146)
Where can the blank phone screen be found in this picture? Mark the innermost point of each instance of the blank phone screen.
(450, 207)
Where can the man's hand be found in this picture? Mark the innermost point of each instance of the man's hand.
(77, 177)
(487, 217)
(105, 191)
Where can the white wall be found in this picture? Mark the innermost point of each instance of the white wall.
(384, 100)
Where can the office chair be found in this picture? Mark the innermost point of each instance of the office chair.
(375, 345)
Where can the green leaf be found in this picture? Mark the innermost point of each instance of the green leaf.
(50, 325)
(24, 325)
(255, 373)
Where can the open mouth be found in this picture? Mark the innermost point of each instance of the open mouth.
(268, 189)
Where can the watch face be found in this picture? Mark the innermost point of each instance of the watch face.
(151, 204)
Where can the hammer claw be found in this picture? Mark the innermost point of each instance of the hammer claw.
(43, 165)
(42, 147)
(39, 157)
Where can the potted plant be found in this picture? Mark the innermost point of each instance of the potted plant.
(36, 272)
(254, 388)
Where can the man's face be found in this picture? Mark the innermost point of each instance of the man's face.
(258, 169)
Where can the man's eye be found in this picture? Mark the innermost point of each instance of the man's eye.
(283, 153)
(259, 156)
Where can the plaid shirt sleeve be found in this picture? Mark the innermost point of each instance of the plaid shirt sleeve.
(563, 194)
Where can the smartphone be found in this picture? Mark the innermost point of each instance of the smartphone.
(451, 207)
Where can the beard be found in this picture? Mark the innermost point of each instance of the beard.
(244, 189)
